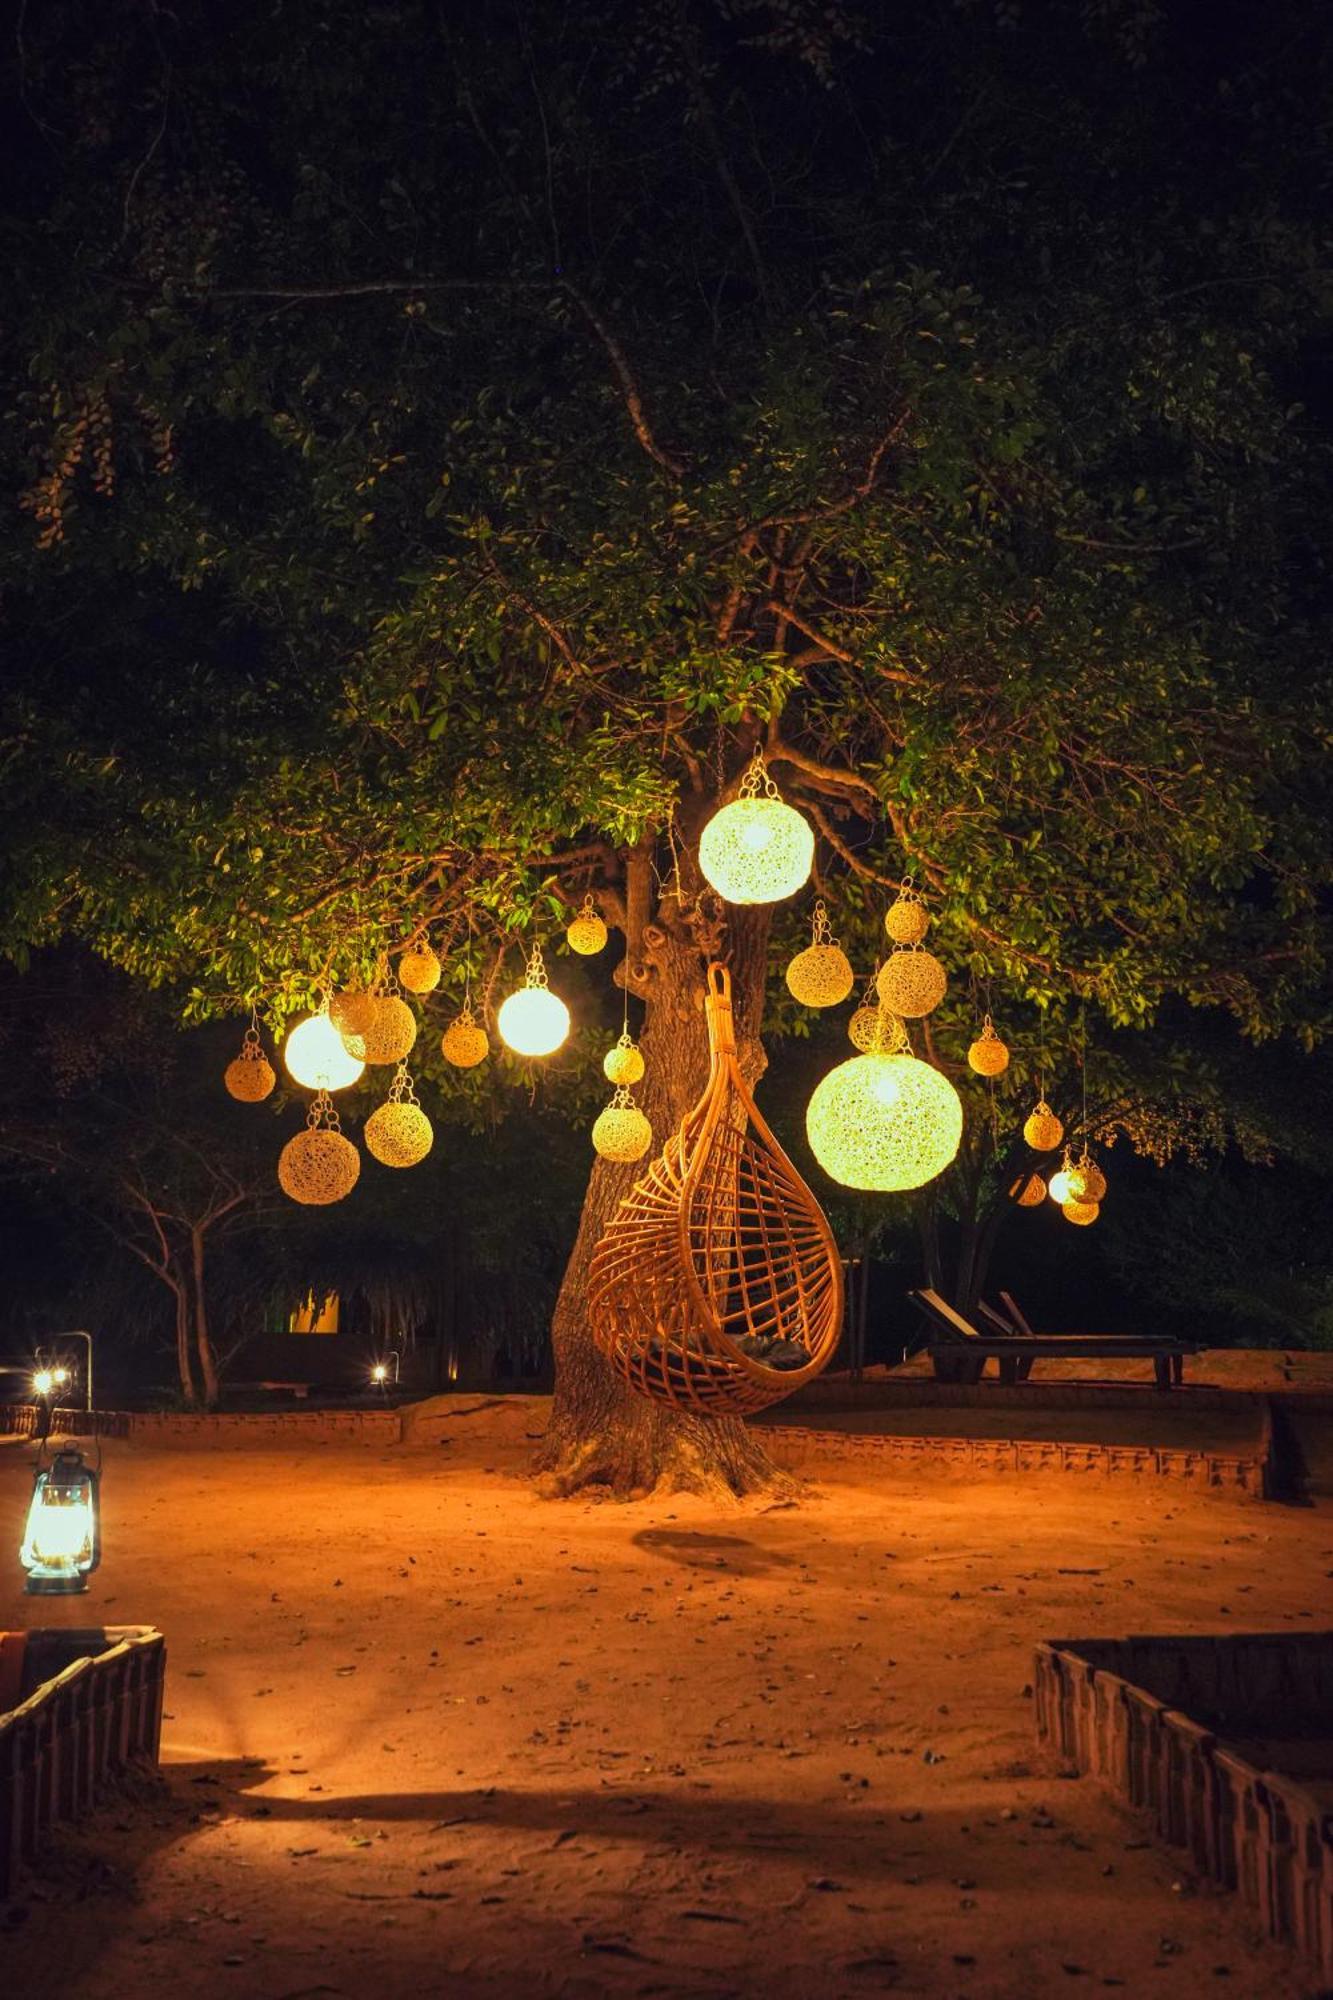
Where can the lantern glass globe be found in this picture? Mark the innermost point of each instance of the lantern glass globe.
(318, 1058)
(757, 850)
(534, 1021)
(884, 1123)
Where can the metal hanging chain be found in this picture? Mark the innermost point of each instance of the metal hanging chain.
(402, 1090)
(1083, 1045)
(757, 782)
(322, 1113)
(536, 974)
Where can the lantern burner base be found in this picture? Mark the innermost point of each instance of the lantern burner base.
(56, 1586)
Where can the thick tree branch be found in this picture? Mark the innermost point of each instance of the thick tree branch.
(629, 387)
(848, 500)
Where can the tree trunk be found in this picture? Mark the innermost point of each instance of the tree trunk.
(183, 1367)
(208, 1368)
(601, 1433)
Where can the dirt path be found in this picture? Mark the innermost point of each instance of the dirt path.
(430, 1735)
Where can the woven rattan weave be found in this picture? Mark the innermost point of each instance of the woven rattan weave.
(718, 1286)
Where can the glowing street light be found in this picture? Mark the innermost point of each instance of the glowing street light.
(386, 1371)
(62, 1542)
(44, 1382)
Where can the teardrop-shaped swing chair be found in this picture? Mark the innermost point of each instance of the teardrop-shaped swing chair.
(717, 1287)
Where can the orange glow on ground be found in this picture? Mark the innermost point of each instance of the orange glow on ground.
(592, 1750)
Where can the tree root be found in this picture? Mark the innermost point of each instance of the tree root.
(631, 1461)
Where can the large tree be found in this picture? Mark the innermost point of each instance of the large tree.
(451, 447)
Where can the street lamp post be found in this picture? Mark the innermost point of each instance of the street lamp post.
(78, 1333)
(386, 1371)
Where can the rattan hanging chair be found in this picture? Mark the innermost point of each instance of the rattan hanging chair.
(717, 1287)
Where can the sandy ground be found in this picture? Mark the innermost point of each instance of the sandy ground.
(430, 1735)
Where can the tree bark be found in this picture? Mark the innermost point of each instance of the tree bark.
(601, 1433)
(183, 1368)
(208, 1368)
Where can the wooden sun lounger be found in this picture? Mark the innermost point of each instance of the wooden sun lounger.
(959, 1350)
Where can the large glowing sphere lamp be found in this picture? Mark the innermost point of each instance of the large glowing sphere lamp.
(884, 1123)
(62, 1542)
(758, 849)
(317, 1057)
(534, 1021)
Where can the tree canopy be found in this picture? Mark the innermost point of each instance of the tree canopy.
(449, 445)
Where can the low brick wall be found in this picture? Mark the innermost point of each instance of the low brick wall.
(839, 1392)
(1107, 1707)
(799, 1449)
(225, 1428)
(60, 1746)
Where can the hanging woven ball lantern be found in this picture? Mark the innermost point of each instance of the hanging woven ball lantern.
(1060, 1187)
(988, 1055)
(1043, 1130)
(392, 1032)
(534, 1021)
(622, 1132)
(250, 1078)
(1081, 1212)
(884, 1123)
(911, 982)
(1030, 1191)
(870, 1026)
(317, 1057)
(624, 1063)
(1087, 1182)
(758, 849)
(907, 919)
(399, 1133)
(465, 1042)
(352, 1012)
(319, 1165)
(821, 975)
(419, 969)
(587, 933)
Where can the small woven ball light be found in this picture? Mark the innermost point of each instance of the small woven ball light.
(1043, 1130)
(250, 1077)
(622, 1132)
(907, 919)
(1060, 1187)
(319, 1165)
(419, 968)
(352, 1012)
(1030, 1192)
(398, 1133)
(317, 1057)
(534, 1021)
(1087, 1182)
(911, 982)
(392, 1032)
(1081, 1213)
(988, 1055)
(587, 933)
(821, 975)
(758, 849)
(624, 1063)
(465, 1042)
(884, 1123)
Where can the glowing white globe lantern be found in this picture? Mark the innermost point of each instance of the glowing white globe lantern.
(758, 849)
(884, 1123)
(317, 1057)
(534, 1021)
